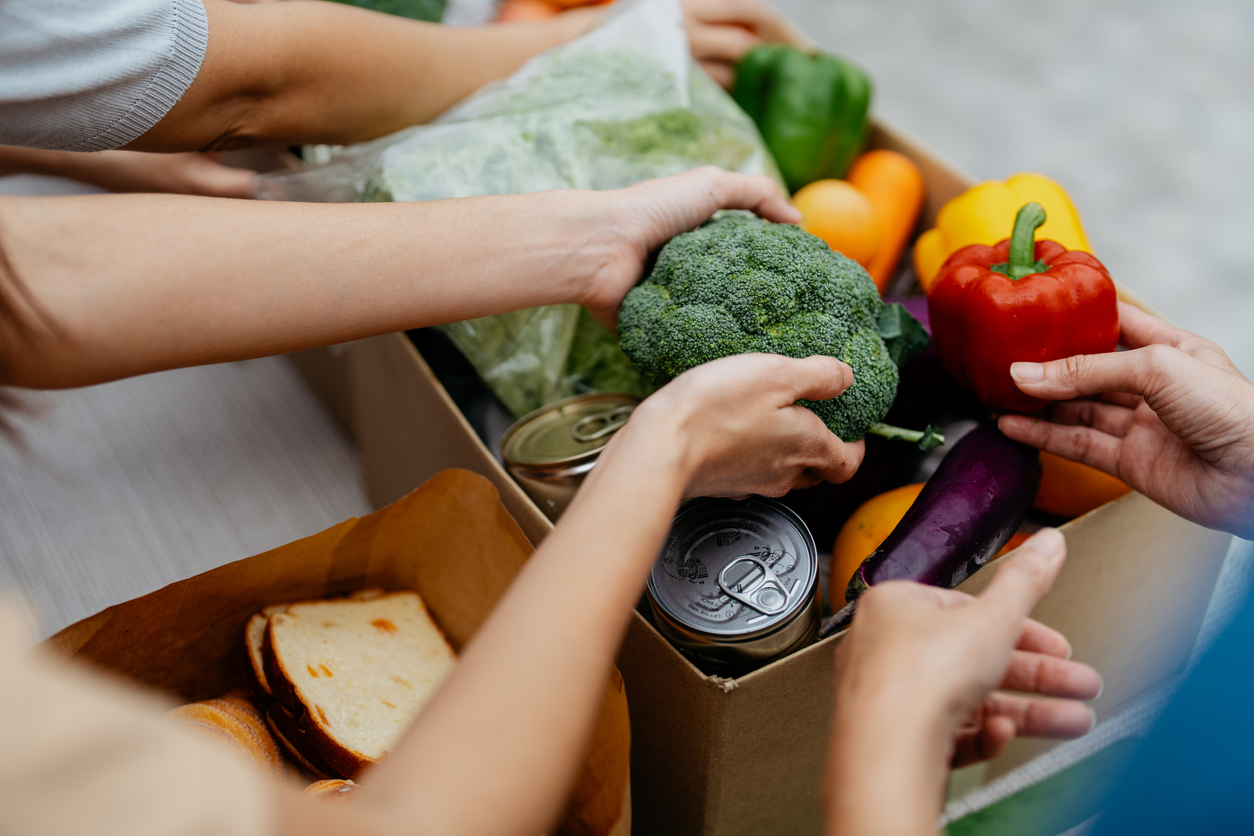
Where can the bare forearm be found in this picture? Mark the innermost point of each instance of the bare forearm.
(885, 776)
(305, 71)
(29, 160)
(128, 285)
(508, 730)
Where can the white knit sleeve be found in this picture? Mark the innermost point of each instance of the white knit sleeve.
(88, 75)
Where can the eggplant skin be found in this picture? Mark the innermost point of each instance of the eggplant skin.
(974, 502)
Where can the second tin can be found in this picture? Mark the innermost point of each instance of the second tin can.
(737, 584)
(551, 450)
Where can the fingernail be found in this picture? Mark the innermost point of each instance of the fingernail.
(1027, 372)
(1051, 543)
(1101, 687)
(1093, 715)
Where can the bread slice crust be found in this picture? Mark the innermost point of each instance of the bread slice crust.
(390, 658)
(288, 735)
(254, 635)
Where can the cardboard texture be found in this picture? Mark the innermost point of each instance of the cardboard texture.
(187, 638)
(744, 756)
(325, 371)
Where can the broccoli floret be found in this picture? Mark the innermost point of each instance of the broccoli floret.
(739, 284)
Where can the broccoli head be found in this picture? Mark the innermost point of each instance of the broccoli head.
(739, 284)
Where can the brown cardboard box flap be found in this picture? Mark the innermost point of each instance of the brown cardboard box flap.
(451, 540)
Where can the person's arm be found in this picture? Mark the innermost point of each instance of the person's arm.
(917, 691)
(132, 171)
(1175, 420)
(305, 71)
(496, 749)
(123, 285)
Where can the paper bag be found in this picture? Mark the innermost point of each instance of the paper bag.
(450, 540)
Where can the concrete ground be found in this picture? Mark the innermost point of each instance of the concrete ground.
(1142, 109)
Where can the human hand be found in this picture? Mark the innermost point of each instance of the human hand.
(736, 426)
(721, 31)
(132, 171)
(918, 690)
(641, 218)
(1175, 420)
(190, 173)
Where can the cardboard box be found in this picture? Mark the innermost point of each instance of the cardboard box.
(744, 756)
(187, 639)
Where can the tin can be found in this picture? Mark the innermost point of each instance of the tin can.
(736, 585)
(551, 450)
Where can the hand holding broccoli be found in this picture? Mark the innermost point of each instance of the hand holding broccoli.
(631, 223)
(738, 285)
(732, 427)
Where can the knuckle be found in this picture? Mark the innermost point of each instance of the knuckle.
(1074, 368)
(1157, 362)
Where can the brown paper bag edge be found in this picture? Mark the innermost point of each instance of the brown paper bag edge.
(600, 796)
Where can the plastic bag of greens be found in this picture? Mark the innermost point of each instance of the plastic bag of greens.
(622, 104)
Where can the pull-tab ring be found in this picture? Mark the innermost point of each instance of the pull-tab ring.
(611, 421)
(763, 592)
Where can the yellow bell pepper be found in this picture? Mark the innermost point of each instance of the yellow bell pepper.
(985, 214)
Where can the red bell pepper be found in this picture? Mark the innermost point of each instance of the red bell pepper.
(1021, 299)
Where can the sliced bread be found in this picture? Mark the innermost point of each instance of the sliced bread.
(333, 790)
(225, 723)
(353, 673)
(254, 635)
(290, 738)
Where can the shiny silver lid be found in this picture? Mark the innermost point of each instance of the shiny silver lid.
(567, 431)
(733, 568)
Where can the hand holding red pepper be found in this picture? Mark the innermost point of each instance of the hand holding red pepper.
(1020, 300)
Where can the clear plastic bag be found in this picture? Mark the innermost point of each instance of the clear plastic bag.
(622, 104)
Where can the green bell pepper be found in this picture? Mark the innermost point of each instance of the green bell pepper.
(812, 109)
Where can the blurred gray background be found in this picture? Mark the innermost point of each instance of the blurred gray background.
(1143, 110)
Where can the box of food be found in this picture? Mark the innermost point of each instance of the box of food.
(187, 639)
(744, 755)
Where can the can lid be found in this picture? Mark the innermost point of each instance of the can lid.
(733, 568)
(567, 430)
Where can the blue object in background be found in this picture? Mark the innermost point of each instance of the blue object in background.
(1194, 771)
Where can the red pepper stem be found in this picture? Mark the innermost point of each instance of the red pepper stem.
(1022, 260)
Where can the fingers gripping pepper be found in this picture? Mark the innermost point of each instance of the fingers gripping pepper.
(1020, 300)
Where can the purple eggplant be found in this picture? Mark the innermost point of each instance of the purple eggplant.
(974, 502)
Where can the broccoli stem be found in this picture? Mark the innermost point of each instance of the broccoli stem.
(927, 438)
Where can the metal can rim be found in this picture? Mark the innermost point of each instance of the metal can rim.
(675, 624)
(567, 461)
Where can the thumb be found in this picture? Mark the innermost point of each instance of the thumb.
(1024, 579)
(1136, 372)
(817, 378)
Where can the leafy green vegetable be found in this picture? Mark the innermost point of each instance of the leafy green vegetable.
(597, 364)
(903, 335)
(739, 284)
(589, 115)
(431, 11)
(675, 133)
(929, 438)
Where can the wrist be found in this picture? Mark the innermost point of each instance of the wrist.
(654, 441)
(887, 764)
(606, 249)
(884, 778)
